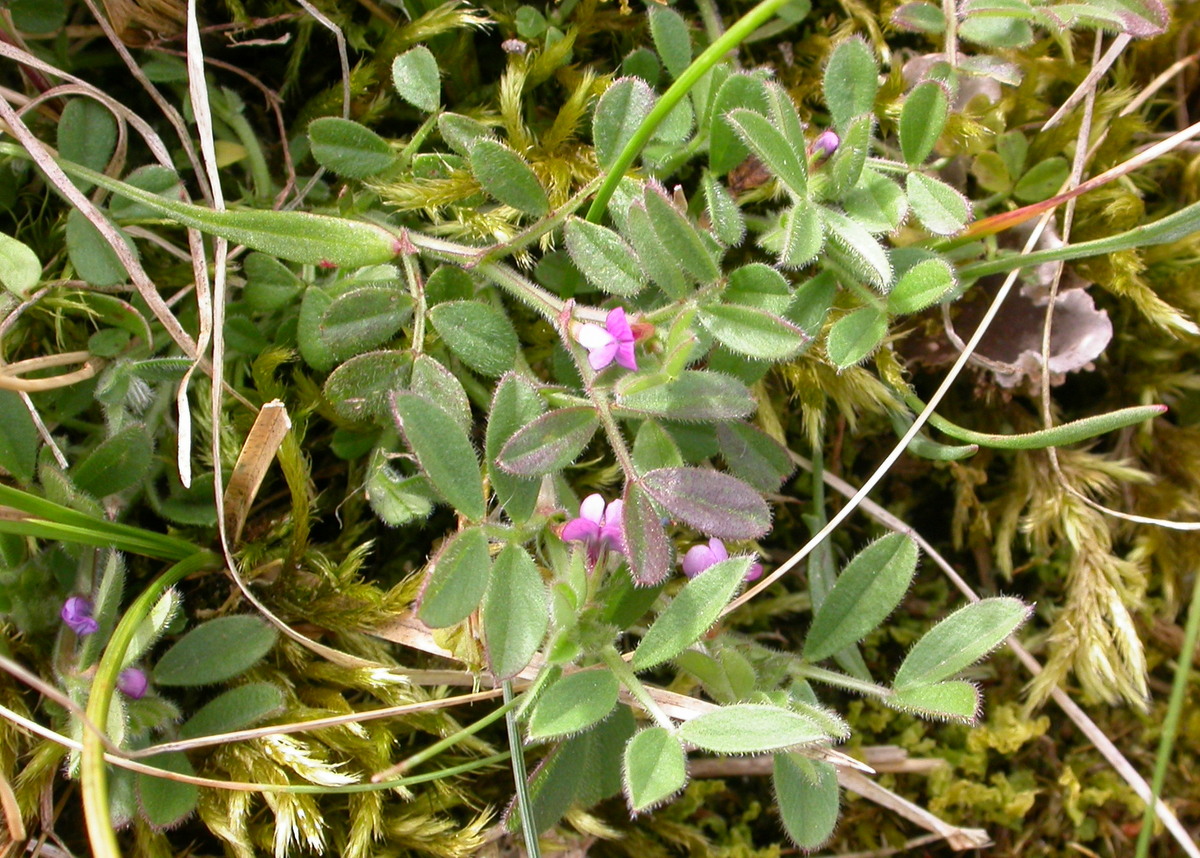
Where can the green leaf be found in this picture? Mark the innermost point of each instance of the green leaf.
(753, 332)
(618, 115)
(956, 700)
(753, 455)
(396, 499)
(922, 120)
(693, 396)
(653, 447)
(759, 285)
(215, 651)
(362, 319)
(850, 82)
(506, 176)
(658, 264)
(866, 592)
(479, 334)
(813, 300)
(714, 503)
(680, 238)
(460, 132)
(671, 39)
(856, 335)
(234, 709)
(876, 203)
(549, 443)
(646, 545)
(941, 208)
(444, 452)
(87, 134)
(117, 463)
(723, 212)
(582, 770)
(458, 580)
(858, 250)
(270, 285)
(515, 404)
(920, 17)
(516, 612)
(921, 286)
(165, 803)
(93, 258)
(806, 792)
(605, 259)
(574, 703)
(803, 234)
(750, 728)
(437, 384)
(960, 640)
(1044, 180)
(415, 76)
(691, 613)
(725, 147)
(18, 438)
(20, 269)
(655, 768)
(358, 389)
(847, 164)
(996, 31)
(779, 155)
(348, 148)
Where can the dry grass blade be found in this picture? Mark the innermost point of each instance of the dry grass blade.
(262, 443)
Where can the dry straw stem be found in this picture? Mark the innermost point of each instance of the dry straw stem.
(1080, 718)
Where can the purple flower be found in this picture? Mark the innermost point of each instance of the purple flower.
(826, 144)
(598, 526)
(133, 683)
(612, 342)
(701, 557)
(77, 614)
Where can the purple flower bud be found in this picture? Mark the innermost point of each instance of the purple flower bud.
(77, 614)
(133, 683)
(825, 145)
(700, 557)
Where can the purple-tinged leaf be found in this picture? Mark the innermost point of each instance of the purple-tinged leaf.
(714, 503)
(754, 456)
(549, 443)
(646, 543)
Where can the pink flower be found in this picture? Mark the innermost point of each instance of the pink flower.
(825, 145)
(701, 557)
(77, 614)
(612, 342)
(133, 683)
(598, 526)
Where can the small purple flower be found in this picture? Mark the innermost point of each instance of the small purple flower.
(598, 526)
(133, 683)
(77, 614)
(612, 342)
(701, 557)
(825, 145)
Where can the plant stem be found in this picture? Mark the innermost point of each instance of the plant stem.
(92, 773)
(729, 40)
(517, 747)
(416, 285)
(625, 675)
(442, 744)
(1183, 672)
(841, 680)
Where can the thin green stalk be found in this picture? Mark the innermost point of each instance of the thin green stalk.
(1057, 436)
(520, 778)
(625, 675)
(1183, 673)
(453, 739)
(93, 775)
(416, 286)
(711, 55)
(840, 680)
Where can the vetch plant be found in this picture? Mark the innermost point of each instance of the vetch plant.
(453, 367)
